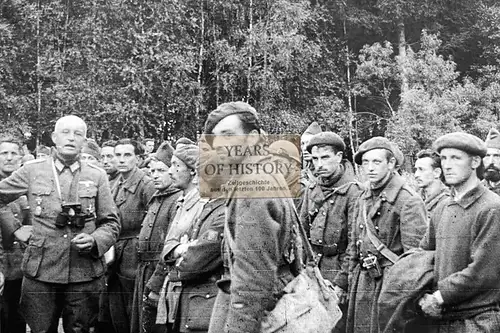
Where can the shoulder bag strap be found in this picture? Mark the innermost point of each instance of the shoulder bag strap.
(381, 247)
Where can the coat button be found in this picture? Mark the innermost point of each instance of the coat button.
(320, 241)
(207, 296)
(150, 225)
(331, 201)
(361, 226)
(65, 236)
(320, 254)
(146, 238)
(323, 213)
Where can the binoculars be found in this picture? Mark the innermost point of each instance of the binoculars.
(71, 215)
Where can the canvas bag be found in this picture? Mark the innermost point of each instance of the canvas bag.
(309, 304)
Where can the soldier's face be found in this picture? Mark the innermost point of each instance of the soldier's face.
(150, 146)
(69, 137)
(425, 173)
(326, 161)
(492, 165)
(457, 165)
(159, 173)
(108, 159)
(304, 140)
(87, 158)
(180, 174)
(10, 157)
(376, 166)
(126, 158)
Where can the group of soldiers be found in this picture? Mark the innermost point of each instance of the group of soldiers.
(118, 238)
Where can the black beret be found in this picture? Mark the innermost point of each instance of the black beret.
(228, 109)
(377, 142)
(327, 139)
(462, 141)
(164, 153)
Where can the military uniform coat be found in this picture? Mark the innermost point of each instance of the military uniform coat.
(50, 257)
(199, 269)
(257, 256)
(465, 236)
(161, 211)
(131, 197)
(399, 216)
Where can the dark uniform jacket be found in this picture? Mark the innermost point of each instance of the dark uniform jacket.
(199, 269)
(326, 221)
(493, 188)
(131, 197)
(432, 201)
(50, 257)
(465, 236)
(258, 246)
(399, 217)
(161, 211)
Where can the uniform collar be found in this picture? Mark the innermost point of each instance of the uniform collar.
(60, 165)
(190, 199)
(469, 197)
(390, 191)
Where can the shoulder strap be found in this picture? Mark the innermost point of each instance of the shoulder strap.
(310, 256)
(381, 247)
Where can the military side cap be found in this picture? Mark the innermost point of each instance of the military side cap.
(313, 129)
(188, 152)
(377, 142)
(462, 141)
(493, 139)
(286, 149)
(164, 153)
(228, 109)
(326, 139)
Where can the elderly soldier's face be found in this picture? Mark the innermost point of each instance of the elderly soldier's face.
(69, 136)
(180, 173)
(492, 165)
(126, 158)
(424, 172)
(457, 165)
(108, 159)
(9, 157)
(376, 166)
(159, 173)
(326, 161)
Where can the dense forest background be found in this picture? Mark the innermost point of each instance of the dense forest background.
(407, 69)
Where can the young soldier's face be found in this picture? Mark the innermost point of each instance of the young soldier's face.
(326, 161)
(159, 173)
(457, 166)
(424, 172)
(108, 159)
(126, 158)
(376, 166)
(10, 157)
(150, 146)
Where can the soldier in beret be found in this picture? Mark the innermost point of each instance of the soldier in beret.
(91, 152)
(257, 233)
(307, 175)
(492, 161)
(390, 220)
(464, 233)
(428, 175)
(327, 211)
(161, 211)
(131, 192)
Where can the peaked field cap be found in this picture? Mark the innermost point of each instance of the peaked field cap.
(164, 153)
(313, 129)
(326, 139)
(462, 141)
(377, 142)
(493, 139)
(227, 109)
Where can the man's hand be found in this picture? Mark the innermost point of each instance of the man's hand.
(430, 306)
(152, 298)
(341, 294)
(23, 234)
(83, 242)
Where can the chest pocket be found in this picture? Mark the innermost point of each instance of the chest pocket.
(87, 192)
(42, 205)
